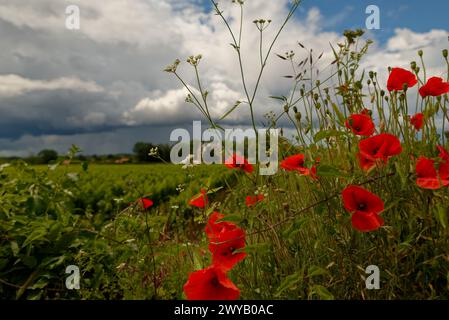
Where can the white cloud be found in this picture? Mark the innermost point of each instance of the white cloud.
(13, 85)
(164, 30)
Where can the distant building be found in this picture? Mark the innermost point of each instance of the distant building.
(122, 161)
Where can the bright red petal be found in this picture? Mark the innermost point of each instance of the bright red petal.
(146, 203)
(398, 77)
(366, 222)
(210, 284)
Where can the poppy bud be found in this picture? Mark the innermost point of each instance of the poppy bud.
(298, 116)
(413, 65)
(286, 107)
(317, 83)
(301, 92)
(420, 53)
(405, 87)
(382, 93)
(371, 74)
(318, 106)
(295, 110)
(445, 53)
(368, 82)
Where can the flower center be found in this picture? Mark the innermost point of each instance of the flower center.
(214, 282)
(361, 206)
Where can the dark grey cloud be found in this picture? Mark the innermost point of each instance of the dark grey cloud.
(103, 86)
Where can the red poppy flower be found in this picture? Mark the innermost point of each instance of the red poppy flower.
(295, 163)
(399, 77)
(223, 247)
(200, 200)
(434, 87)
(239, 162)
(366, 163)
(210, 284)
(360, 124)
(146, 203)
(365, 208)
(382, 146)
(443, 153)
(427, 175)
(213, 228)
(252, 200)
(417, 121)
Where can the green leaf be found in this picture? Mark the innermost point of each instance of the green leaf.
(329, 171)
(14, 248)
(231, 110)
(322, 292)
(283, 58)
(324, 134)
(289, 282)
(236, 218)
(340, 116)
(35, 235)
(442, 216)
(261, 248)
(282, 98)
(315, 271)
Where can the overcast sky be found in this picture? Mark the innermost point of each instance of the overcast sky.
(102, 87)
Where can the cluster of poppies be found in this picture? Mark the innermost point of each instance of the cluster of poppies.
(227, 240)
(401, 79)
(226, 244)
(428, 177)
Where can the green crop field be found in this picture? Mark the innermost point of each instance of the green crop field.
(54, 218)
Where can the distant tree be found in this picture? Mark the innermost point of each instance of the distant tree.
(164, 151)
(141, 151)
(47, 155)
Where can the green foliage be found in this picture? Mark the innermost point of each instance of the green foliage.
(46, 156)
